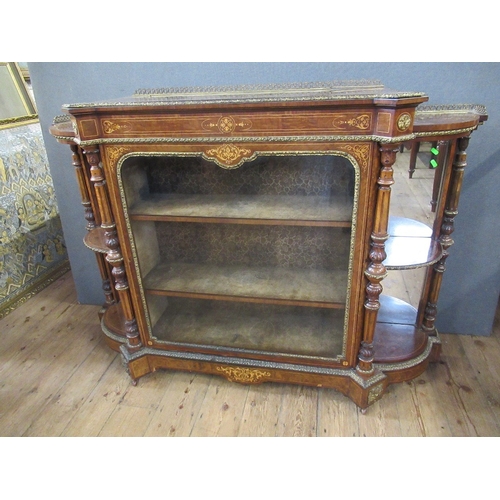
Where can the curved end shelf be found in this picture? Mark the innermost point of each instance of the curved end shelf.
(62, 129)
(113, 327)
(401, 341)
(410, 245)
(95, 240)
(444, 120)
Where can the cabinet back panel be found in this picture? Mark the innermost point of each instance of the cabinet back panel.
(307, 175)
(282, 246)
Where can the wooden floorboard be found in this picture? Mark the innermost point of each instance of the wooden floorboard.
(58, 378)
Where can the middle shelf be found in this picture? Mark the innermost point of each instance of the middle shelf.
(247, 209)
(287, 265)
(264, 284)
(410, 244)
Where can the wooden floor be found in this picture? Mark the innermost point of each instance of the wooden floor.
(58, 378)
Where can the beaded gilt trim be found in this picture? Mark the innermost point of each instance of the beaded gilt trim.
(135, 259)
(239, 140)
(225, 360)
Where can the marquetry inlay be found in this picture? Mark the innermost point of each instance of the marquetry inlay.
(89, 127)
(109, 127)
(227, 124)
(361, 122)
(228, 155)
(243, 375)
(361, 153)
(115, 152)
(384, 122)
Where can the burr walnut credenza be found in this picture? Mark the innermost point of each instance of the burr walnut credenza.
(246, 231)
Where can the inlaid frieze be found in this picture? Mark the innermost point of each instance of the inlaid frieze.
(241, 125)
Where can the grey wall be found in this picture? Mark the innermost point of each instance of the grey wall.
(472, 282)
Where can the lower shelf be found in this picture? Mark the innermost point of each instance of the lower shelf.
(255, 327)
(250, 346)
(396, 337)
(277, 330)
(114, 328)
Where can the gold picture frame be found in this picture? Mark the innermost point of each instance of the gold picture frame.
(17, 107)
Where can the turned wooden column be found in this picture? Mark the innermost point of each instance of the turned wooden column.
(376, 271)
(92, 225)
(85, 195)
(104, 271)
(447, 228)
(113, 256)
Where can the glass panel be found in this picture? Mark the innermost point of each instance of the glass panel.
(251, 326)
(413, 245)
(249, 259)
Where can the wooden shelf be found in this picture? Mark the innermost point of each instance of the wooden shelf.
(410, 245)
(409, 253)
(300, 287)
(114, 327)
(95, 240)
(115, 320)
(246, 209)
(263, 328)
(396, 336)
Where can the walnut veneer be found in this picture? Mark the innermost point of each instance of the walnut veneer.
(245, 231)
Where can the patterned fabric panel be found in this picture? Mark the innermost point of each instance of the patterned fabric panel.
(31, 237)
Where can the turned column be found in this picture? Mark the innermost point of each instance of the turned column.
(376, 271)
(447, 228)
(91, 224)
(80, 175)
(113, 255)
